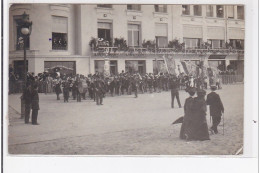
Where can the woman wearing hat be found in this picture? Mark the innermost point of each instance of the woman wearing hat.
(198, 122)
(188, 111)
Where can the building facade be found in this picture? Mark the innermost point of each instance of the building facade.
(80, 38)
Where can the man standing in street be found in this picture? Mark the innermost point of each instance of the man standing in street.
(216, 108)
(174, 86)
(35, 105)
(27, 100)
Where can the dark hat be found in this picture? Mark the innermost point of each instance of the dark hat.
(213, 87)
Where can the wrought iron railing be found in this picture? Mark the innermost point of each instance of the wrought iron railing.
(133, 51)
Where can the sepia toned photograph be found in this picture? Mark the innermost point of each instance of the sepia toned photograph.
(126, 79)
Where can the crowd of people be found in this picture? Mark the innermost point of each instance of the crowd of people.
(97, 86)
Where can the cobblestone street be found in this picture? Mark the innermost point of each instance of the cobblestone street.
(124, 125)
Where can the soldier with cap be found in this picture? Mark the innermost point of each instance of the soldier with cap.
(216, 108)
(35, 104)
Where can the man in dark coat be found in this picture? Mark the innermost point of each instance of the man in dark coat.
(99, 91)
(28, 101)
(216, 108)
(35, 104)
(174, 86)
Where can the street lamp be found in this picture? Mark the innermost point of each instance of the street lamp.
(26, 29)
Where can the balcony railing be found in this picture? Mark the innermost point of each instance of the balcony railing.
(139, 51)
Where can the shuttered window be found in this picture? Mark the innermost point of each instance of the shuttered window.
(216, 33)
(134, 35)
(191, 31)
(59, 24)
(230, 11)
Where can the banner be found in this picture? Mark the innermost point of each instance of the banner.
(106, 67)
(170, 64)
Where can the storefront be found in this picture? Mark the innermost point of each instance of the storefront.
(67, 68)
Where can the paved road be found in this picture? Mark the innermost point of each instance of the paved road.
(122, 126)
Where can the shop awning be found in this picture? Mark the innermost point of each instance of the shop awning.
(217, 56)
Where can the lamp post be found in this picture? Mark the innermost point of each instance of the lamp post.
(26, 29)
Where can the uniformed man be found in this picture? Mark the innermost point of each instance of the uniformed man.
(174, 86)
(216, 108)
(35, 105)
(27, 100)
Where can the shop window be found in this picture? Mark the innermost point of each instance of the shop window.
(133, 66)
(104, 5)
(160, 8)
(66, 68)
(136, 7)
(18, 35)
(113, 67)
(209, 11)
(240, 12)
(134, 35)
(220, 11)
(197, 10)
(185, 9)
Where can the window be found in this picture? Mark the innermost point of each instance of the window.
(236, 43)
(197, 10)
(216, 44)
(18, 35)
(192, 42)
(59, 41)
(99, 66)
(220, 12)
(59, 33)
(136, 7)
(160, 8)
(185, 9)
(240, 12)
(133, 66)
(134, 35)
(209, 10)
(159, 67)
(105, 32)
(161, 33)
(65, 67)
(230, 11)
(113, 67)
(104, 5)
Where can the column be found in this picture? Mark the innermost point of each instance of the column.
(235, 11)
(214, 11)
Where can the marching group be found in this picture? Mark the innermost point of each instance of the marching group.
(194, 124)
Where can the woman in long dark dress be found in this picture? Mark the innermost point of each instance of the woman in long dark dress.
(198, 122)
(188, 111)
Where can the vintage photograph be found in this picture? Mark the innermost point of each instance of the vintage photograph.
(126, 79)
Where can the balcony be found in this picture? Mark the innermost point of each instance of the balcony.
(139, 51)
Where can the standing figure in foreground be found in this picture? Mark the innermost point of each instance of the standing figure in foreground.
(198, 123)
(99, 91)
(58, 89)
(27, 100)
(174, 86)
(188, 112)
(35, 105)
(216, 108)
